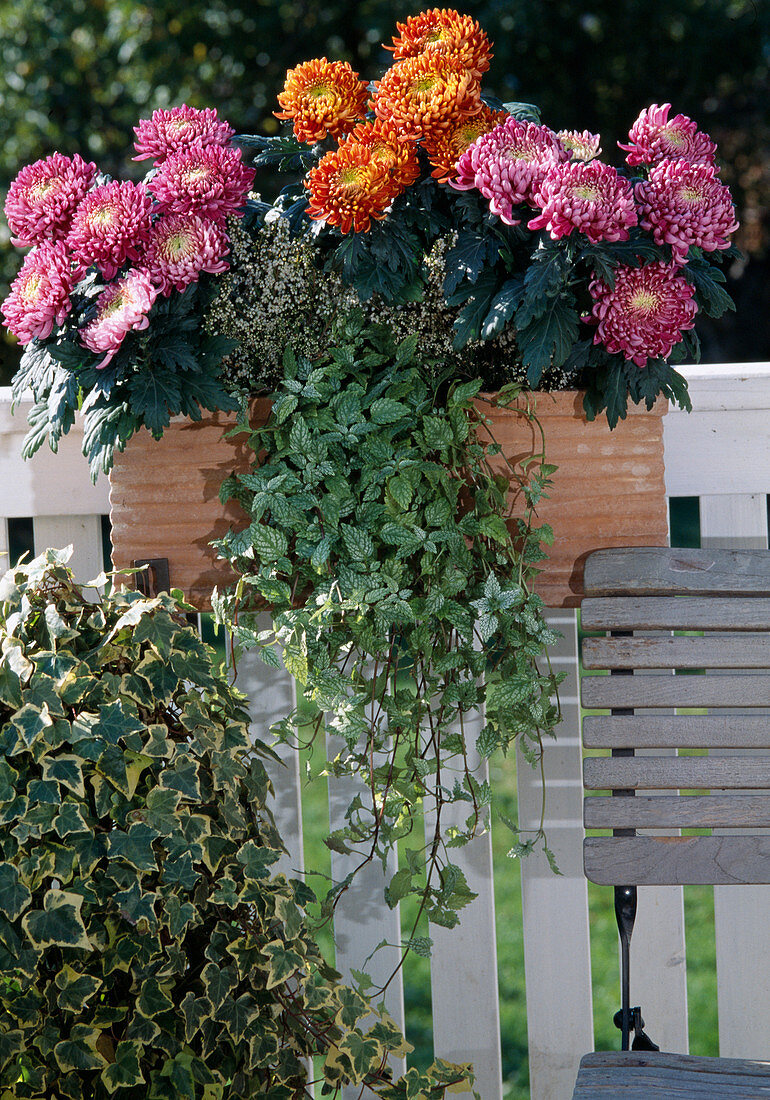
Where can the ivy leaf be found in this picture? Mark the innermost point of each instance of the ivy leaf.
(135, 846)
(76, 989)
(14, 895)
(125, 1071)
(256, 860)
(196, 1010)
(282, 962)
(153, 999)
(67, 770)
(79, 1053)
(31, 721)
(362, 1052)
(218, 982)
(58, 923)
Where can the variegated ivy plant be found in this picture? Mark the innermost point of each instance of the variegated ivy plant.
(401, 594)
(148, 949)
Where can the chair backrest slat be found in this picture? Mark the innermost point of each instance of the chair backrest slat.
(652, 773)
(676, 731)
(724, 593)
(678, 860)
(677, 691)
(662, 613)
(714, 651)
(652, 571)
(692, 811)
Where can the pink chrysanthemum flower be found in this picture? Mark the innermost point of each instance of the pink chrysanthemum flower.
(167, 131)
(43, 197)
(209, 180)
(111, 225)
(508, 165)
(121, 307)
(580, 144)
(591, 198)
(655, 137)
(40, 293)
(645, 313)
(685, 204)
(181, 246)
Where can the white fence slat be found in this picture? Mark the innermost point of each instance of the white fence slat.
(362, 919)
(83, 532)
(464, 987)
(723, 445)
(743, 972)
(272, 695)
(48, 483)
(557, 959)
(5, 560)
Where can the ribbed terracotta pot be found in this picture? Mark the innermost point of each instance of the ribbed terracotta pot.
(608, 491)
(164, 500)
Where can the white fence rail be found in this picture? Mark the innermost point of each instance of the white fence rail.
(721, 454)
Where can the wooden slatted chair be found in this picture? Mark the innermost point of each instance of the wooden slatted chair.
(724, 595)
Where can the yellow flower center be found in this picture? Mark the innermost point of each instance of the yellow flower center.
(101, 216)
(690, 194)
(32, 286)
(383, 154)
(41, 188)
(352, 179)
(644, 301)
(176, 245)
(321, 90)
(116, 304)
(424, 85)
(586, 192)
(193, 175)
(673, 136)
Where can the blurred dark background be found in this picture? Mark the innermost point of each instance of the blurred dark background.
(76, 76)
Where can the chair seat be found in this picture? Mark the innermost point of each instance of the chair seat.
(634, 1075)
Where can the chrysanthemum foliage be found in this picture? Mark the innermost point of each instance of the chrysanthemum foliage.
(148, 949)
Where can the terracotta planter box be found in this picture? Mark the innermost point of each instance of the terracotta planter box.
(608, 491)
(164, 500)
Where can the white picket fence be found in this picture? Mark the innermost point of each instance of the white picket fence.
(721, 454)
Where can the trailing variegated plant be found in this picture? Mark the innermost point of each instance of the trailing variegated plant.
(401, 593)
(147, 948)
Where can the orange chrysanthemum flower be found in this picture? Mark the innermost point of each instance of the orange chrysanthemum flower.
(322, 97)
(349, 187)
(444, 32)
(445, 149)
(426, 94)
(397, 153)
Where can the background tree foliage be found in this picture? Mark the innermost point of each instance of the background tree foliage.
(77, 76)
